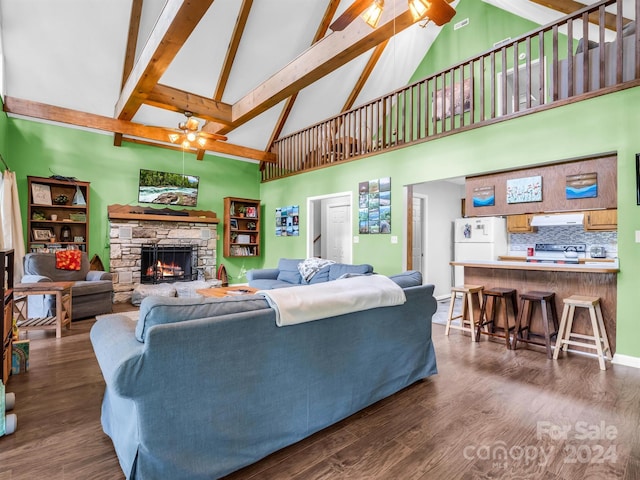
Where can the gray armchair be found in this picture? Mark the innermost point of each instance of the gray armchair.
(92, 292)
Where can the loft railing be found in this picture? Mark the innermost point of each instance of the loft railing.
(590, 52)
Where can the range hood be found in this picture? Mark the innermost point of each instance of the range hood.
(557, 219)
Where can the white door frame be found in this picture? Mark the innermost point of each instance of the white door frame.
(424, 233)
(312, 212)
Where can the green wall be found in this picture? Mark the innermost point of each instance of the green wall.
(603, 124)
(42, 149)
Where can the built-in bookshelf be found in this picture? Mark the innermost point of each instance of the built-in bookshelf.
(58, 214)
(241, 227)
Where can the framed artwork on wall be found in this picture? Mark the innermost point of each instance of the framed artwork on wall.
(524, 190)
(484, 196)
(582, 185)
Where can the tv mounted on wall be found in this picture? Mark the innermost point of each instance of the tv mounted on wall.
(168, 188)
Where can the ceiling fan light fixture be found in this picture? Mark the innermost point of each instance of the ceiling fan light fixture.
(174, 137)
(185, 144)
(418, 9)
(372, 15)
(191, 136)
(202, 141)
(192, 124)
(438, 11)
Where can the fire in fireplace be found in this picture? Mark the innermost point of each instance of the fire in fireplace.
(168, 263)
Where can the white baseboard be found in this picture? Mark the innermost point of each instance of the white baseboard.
(626, 360)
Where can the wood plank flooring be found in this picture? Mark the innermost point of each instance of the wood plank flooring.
(489, 413)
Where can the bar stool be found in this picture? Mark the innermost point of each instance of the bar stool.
(547, 303)
(466, 316)
(599, 337)
(498, 295)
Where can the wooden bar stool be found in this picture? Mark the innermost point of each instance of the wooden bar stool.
(599, 337)
(498, 296)
(466, 316)
(547, 303)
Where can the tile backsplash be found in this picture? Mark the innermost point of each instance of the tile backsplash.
(518, 242)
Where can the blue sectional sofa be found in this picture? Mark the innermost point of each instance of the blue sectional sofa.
(287, 274)
(198, 388)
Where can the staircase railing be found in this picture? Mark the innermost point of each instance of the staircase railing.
(591, 52)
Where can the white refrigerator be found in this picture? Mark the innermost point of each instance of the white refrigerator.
(478, 238)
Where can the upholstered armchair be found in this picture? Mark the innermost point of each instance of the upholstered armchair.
(92, 291)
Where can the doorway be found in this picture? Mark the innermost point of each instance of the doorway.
(329, 227)
(418, 232)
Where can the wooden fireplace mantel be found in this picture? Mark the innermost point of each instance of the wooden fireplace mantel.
(130, 212)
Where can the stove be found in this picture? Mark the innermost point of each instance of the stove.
(558, 253)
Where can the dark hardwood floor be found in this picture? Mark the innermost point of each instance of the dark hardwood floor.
(489, 414)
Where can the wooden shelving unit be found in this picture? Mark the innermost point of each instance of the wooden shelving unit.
(6, 287)
(45, 215)
(241, 227)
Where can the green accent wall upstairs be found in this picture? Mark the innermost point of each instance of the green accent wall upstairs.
(487, 25)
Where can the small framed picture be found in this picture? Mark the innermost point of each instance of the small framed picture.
(41, 194)
(41, 234)
(251, 212)
(233, 223)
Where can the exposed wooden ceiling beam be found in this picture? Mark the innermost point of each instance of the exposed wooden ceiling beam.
(89, 120)
(329, 54)
(176, 22)
(177, 100)
(364, 76)
(329, 13)
(130, 51)
(238, 30)
(570, 6)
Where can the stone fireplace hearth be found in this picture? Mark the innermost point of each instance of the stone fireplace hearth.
(128, 235)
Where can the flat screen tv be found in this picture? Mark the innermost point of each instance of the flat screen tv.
(168, 188)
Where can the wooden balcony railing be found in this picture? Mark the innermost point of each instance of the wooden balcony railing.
(591, 52)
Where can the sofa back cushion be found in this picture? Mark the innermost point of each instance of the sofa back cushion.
(410, 278)
(289, 270)
(337, 270)
(45, 264)
(161, 310)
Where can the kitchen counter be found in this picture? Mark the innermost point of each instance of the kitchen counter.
(589, 265)
(592, 278)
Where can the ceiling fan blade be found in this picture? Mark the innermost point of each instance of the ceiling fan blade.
(349, 15)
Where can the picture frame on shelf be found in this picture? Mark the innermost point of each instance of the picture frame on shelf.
(41, 234)
(40, 194)
(233, 223)
(251, 212)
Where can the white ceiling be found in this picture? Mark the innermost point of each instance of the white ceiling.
(70, 53)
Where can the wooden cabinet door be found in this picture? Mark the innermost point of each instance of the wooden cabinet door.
(601, 220)
(519, 224)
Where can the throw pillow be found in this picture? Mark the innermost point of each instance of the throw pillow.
(288, 271)
(410, 278)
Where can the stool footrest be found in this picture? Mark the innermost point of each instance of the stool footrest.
(579, 344)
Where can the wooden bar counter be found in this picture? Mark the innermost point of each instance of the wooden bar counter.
(590, 278)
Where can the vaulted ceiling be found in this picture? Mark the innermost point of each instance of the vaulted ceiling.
(252, 70)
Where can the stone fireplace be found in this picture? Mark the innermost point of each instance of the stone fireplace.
(168, 263)
(131, 231)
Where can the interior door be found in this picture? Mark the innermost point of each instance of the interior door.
(417, 244)
(337, 232)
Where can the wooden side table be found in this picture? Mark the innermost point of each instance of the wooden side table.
(62, 291)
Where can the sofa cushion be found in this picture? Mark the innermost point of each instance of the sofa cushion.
(321, 275)
(161, 310)
(339, 269)
(90, 288)
(289, 271)
(410, 278)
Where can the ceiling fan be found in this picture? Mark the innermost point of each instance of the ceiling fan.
(188, 133)
(439, 11)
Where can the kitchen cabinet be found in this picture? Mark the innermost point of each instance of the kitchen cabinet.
(520, 224)
(601, 219)
(58, 214)
(241, 227)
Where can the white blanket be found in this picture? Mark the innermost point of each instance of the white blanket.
(306, 303)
